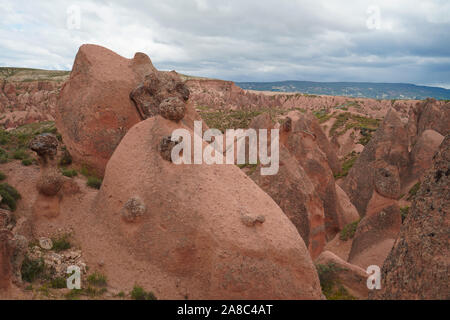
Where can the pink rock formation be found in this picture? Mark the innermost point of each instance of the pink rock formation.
(375, 237)
(195, 226)
(302, 144)
(381, 165)
(351, 277)
(94, 109)
(417, 267)
(422, 153)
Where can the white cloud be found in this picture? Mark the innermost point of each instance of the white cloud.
(241, 40)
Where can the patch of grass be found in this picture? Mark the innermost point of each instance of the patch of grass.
(2, 176)
(15, 142)
(3, 156)
(348, 232)
(69, 173)
(94, 292)
(61, 243)
(348, 163)
(322, 115)
(121, 294)
(58, 283)
(346, 121)
(413, 191)
(331, 287)
(366, 136)
(97, 279)
(32, 269)
(94, 182)
(74, 294)
(20, 154)
(27, 162)
(340, 293)
(229, 119)
(44, 290)
(138, 293)
(10, 196)
(404, 211)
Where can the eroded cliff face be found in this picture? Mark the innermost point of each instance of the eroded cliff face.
(418, 265)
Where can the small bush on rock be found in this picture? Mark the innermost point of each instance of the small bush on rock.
(139, 293)
(10, 195)
(348, 232)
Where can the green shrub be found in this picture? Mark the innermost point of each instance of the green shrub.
(3, 156)
(331, 287)
(94, 182)
(2, 176)
(27, 162)
(58, 283)
(10, 195)
(74, 294)
(97, 279)
(348, 232)
(69, 173)
(94, 292)
(139, 293)
(61, 243)
(20, 154)
(349, 162)
(32, 269)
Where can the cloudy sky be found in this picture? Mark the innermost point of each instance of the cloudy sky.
(241, 40)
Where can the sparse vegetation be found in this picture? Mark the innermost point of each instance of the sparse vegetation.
(61, 243)
(348, 163)
(2, 176)
(404, 211)
(58, 283)
(27, 162)
(138, 293)
(69, 173)
(331, 287)
(413, 191)
(32, 269)
(97, 279)
(9, 195)
(348, 232)
(15, 142)
(94, 182)
(322, 115)
(74, 294)
(228, 119)
(346, 121)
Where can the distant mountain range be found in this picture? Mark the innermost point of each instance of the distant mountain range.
(352, 89)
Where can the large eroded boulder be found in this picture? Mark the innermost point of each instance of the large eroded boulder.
(94, 109)
(207, 227)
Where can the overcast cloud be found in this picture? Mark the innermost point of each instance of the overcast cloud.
(242, 40)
